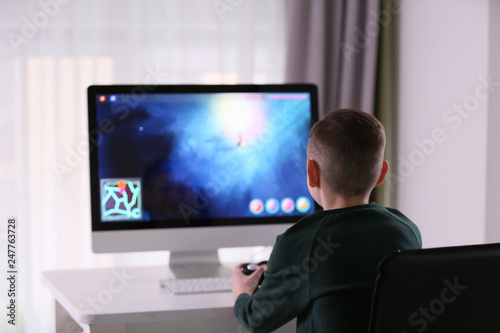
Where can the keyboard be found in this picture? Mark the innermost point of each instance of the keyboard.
(197, 285)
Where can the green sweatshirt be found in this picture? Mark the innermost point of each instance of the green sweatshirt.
(322, 270)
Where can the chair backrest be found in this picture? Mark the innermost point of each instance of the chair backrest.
(450, 289)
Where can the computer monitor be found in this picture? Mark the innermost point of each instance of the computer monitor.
(194, 168)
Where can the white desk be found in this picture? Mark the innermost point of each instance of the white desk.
(119, 300)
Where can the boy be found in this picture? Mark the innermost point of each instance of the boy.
(322, 269)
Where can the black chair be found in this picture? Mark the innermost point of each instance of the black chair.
(438, 290)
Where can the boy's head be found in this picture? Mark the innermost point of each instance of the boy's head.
(348, 146)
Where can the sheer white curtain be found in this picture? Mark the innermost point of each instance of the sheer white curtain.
(51, 50)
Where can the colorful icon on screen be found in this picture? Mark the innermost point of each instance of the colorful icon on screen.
(287, 205)
(112, 98)
(102, 98)
(121, 185)
(121, 199)
(256, 206)
(272, 206)
(303, 204)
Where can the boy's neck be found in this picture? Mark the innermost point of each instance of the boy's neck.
(338, 202)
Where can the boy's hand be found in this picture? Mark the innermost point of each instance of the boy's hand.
(246, 284)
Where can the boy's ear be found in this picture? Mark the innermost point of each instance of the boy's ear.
(383, 173)
(312, 173)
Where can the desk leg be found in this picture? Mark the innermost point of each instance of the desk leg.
(64, 322)
(113, 328)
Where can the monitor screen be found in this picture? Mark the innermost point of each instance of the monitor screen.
(192, 156)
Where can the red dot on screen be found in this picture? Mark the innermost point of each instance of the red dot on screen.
(256, 206)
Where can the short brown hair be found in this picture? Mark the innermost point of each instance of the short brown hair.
(348, 146)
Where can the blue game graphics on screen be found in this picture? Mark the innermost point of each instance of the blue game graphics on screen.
(184, 158)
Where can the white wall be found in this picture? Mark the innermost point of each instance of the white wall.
(443, 103)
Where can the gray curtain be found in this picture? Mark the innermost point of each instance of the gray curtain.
(386, 98)
(333, 43)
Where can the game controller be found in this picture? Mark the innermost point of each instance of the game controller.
(250, 267)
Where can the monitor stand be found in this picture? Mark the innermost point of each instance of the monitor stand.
(196, 264)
